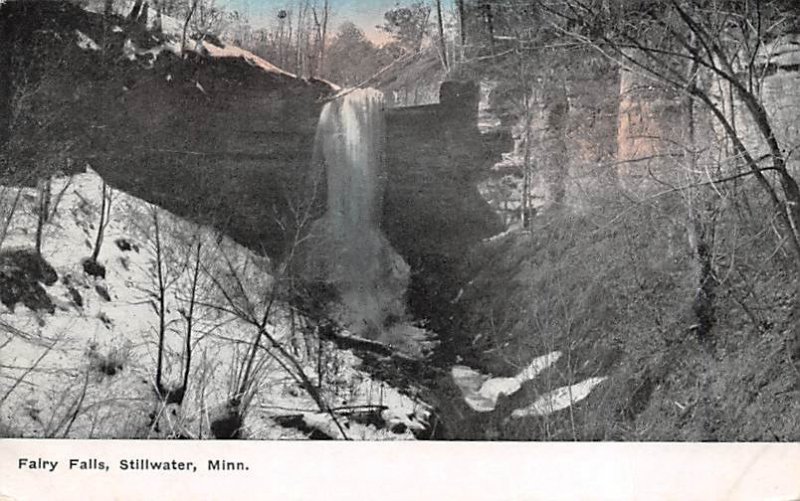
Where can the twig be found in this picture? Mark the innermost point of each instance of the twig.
(28, 371)
(78, 406)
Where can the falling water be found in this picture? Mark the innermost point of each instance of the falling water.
(350, 140)
(350, 249)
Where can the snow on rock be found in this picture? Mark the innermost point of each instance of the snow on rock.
(132, 52)
(559, 399)
(169, 25)
(172, 29)
(481, 392)
(86, 43)
(538, 365)
(469, 382)
(87, 370)
(236, 52)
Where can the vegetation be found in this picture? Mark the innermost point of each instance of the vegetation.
(679, 276)
(663, 258)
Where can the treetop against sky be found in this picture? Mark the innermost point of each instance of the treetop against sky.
(367, 14)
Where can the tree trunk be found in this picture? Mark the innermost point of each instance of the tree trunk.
(442, 44)
(703, 302)
(558, 167)
(301, 19)
(279, 37)
(488, 18)
(190, 319)
(157, 5)
(142, 21)
(462, 22)
(105, 209)
(135, 11)
(9, 217)
(44, 210)
(321, 33)
(325, 13)
(189, 15)
(526, 170)
(162, 328)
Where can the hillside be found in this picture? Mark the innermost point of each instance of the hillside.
(564, 237)
(621, 309)
(80, 350)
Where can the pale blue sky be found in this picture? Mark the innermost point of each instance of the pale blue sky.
(365, 13)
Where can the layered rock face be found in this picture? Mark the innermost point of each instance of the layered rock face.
(220, 140)
(571, 139)
(435, 155)
(604, 127)
(224, 138)
(657, 132)
(779, 90)
(650, 133)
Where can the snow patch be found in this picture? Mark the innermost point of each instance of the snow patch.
(558, 399)
(132, 52)
(322, 422)
(481, 391)
(86, 43)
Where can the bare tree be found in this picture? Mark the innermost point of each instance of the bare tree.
(105, 219)
(189, 14)
(31, 153)
(8, 211)
(462, 20)
(161, 292)
(158, 4)
(408, 25)
(136, 11)
(285, 31)
(208, 19)
(165, 273)
(244, 292)
(442, 42)
(43, 189)
(321, 25)
(189, 317)
(728, 43)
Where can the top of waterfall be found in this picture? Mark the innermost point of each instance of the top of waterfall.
(342, 92)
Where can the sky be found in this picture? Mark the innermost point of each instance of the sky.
(367, 14)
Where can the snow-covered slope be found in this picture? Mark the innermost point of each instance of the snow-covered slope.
(88, 368)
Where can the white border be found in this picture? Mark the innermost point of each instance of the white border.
(384, 471)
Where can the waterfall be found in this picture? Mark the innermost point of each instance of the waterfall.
(350, 141)
(349, 250)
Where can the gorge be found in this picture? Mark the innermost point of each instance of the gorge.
(479, 242)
